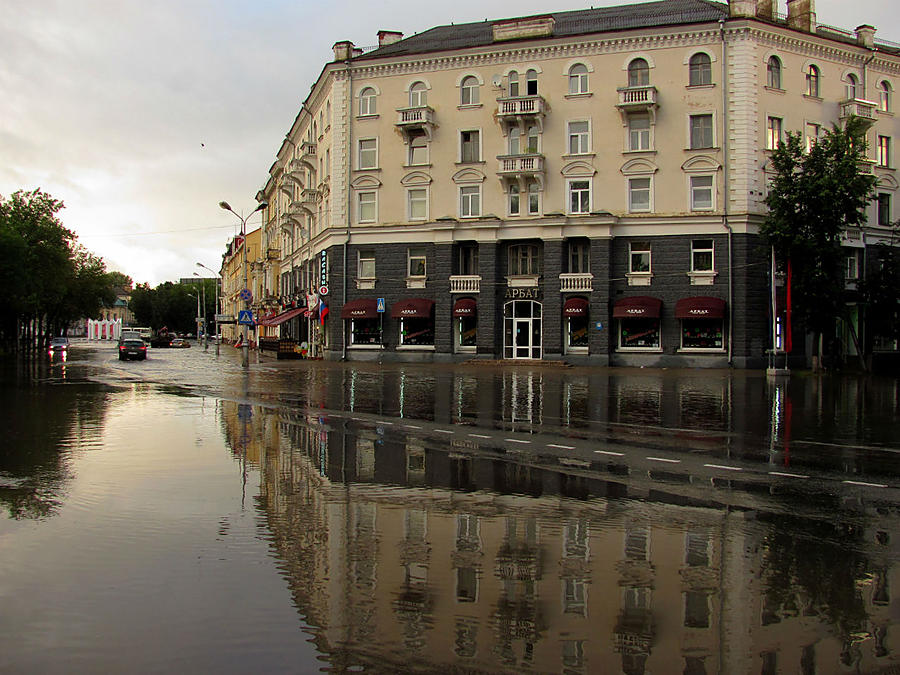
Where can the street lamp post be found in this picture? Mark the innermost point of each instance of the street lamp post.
(218, 308)
(205, 332)
(245, 338)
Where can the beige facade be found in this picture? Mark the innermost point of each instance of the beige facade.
(235, 269)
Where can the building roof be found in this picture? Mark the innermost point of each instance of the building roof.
(566, 24)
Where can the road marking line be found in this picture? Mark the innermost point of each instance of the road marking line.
(787, 475)
(663, 459)
(607, 452)
(857, 482)
(561, 447)
(411, 426)
(357, 419)
(443, 431)
(516, 440)
(387, 424)
(722, 466)
(478, 436)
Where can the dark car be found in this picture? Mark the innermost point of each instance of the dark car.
(59, 344)
(132, 349)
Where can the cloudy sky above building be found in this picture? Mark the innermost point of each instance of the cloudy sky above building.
(142, 116)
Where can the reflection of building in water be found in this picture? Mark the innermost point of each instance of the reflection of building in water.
(409, 558)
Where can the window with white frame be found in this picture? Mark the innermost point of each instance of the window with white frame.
(638, 132)
(702, 255)
(701, 127)
(417, 203)
(418, 147)
(884, 151)
(514, 145)
(525, 260)
(534, 199)
(468, 91)
(852, 86)
(514, 199)
(366, 264)
(639, 194)
(884, 96)
(813, 131)
(416, 259)
(702, 193)
(367, 101)
(512, 82)
(418, 95)
(773, 132)
(699, 70)
(639, 257)
(469, 201)
(531, 140)
(531, 82)
(367, 209)
(578, 79)
(580, 196)
(812, 81)
(773, 73)
(851, 268)
(579, 256)
(638, 73)
(469, 146)
(368, 153)
(579, 137)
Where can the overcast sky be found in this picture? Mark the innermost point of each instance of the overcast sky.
(141, 115)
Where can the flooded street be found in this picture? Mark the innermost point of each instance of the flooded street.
(183, 514)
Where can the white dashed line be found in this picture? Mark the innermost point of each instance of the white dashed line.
(411, 426)
(516, 440)
(357, 419)
(608, 452)
(386, 424)
(663, 459)
(857, 482)
(478, 436)
(723, 467)
(787, 475)
(442, 431)
(561, 447)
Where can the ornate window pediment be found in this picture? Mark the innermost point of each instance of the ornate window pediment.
(468, 176)
(578, 168)
(700, 164)
(638, 167)
(365, 182)
(415, 178)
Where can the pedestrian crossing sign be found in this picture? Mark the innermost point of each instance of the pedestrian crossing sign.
(245, 317)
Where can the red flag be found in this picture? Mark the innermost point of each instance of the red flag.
(788, 338)
(323, 311)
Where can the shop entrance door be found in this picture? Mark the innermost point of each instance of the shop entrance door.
(522, 334)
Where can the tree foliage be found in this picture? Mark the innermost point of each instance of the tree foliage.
(173, 305)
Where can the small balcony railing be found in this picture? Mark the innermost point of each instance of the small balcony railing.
(638, 98)
(859, 108)
(518, 165)
(418, 116)
(521, 106)
(575, 282)
(465, 283)
(307, 148)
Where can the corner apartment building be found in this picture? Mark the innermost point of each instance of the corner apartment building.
(584, 185)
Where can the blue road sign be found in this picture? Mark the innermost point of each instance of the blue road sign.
(246, 295)
(380, 306)
(245, 317)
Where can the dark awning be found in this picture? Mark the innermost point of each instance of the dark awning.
(281, 318)
(700, 308)
(464, 307)
(414, 307)
(576, 307)
(637, 307)
(364, 308)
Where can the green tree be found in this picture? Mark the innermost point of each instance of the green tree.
(813, 198)
(880, 289)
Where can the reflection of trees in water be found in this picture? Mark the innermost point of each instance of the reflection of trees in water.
(41, 425)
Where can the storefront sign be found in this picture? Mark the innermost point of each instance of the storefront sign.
(523, 293)
(635, 311)
(323, 269)
(698, 312)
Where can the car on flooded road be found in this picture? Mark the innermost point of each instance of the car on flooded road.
(179, 343)
(132, 349)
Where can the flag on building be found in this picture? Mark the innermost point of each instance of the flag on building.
(323, 310)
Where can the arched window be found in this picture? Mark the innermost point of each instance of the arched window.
(884, 96)
(852, 85)
(515, 146)
(531, 82)
(638, 73)
(812, 81)
(418, 95)
(578, 79)
(700, 70)
(513, 80)
(773, 73)
(532, 140)
(469, 91)
(367, 101)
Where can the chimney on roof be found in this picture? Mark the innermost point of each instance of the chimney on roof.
(765, 9)
(742, 8)
(343, 50)
(801, 15)
(865, 36)
(389, 37)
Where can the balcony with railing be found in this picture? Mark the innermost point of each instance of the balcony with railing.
(576, 282)
(520, 165)
(516, 107)
(639, 98)
(416, 118)
(856, 107)
(465, 283)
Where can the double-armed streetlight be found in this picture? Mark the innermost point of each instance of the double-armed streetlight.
(218, 308)
(245, 338)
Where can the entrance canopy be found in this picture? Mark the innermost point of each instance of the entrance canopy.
(700, 308)
(412, 308)
(464, 307)
(637, 307)
(576, 307)
(281, 318)
(364, 308)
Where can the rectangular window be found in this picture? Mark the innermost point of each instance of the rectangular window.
(366, 268)
(851, 271)
(514, 199)
(696, 609)
(416, 258)
(579, 257)
(579, 138)
(417, 199)
(468, 260)
(638, 132)
(470, 201)
(367, 209)
(469, 146)
(534, 199)
(812, 135)
(639, 257)
(701, 193)
(638, 194)
(702, 255)
(580, 196)
(884, 208)
(884, 151)
(418, 148)
(368, 153)
(773, 133)
(701, 131)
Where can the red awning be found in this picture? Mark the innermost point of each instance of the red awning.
(576, 307)
(364, 308)
(412, 308)
(637, 307)
(464, 307)
(700, 308)
(281, 318)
